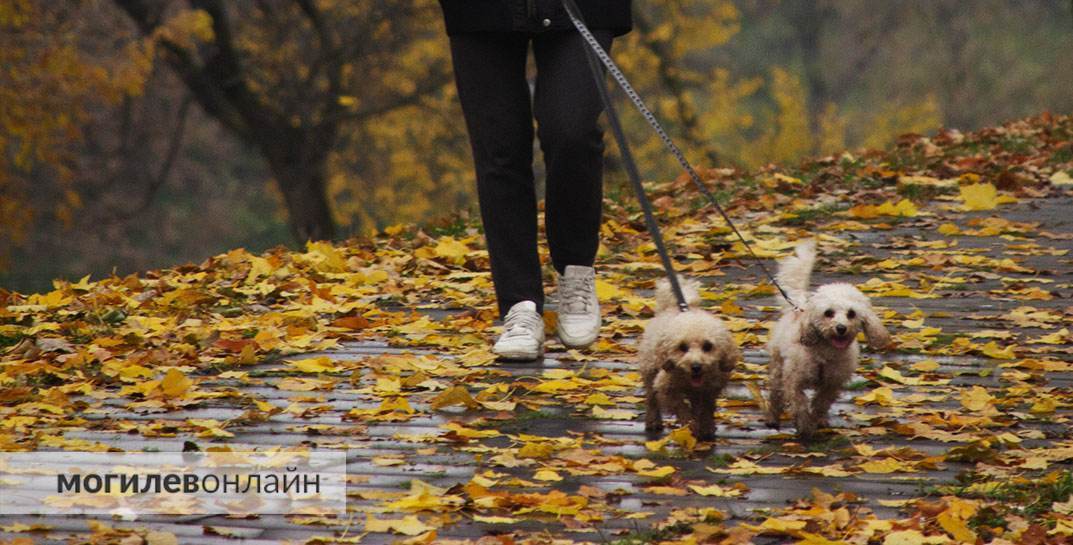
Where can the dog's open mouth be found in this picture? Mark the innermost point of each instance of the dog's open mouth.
(696, 377)
(841, 342)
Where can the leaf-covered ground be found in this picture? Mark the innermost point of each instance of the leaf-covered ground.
(960, 433)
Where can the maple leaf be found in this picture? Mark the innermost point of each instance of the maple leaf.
(982, 197)
(646, 468)
(715, 490)
(613, 414)
(1061, 178)
(547, 475)
(321, 364)
(175, 383)
(905, 537)
(681, 436)
(904, 208)
(455, 395)
(409, 525)
(976, 399)
(880, 396)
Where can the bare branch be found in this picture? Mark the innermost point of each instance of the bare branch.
(170, 156)
(328, 47)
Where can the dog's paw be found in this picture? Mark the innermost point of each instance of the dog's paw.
(653, 425)
(653, 432)
(701, 432)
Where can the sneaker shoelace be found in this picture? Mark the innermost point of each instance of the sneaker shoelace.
(574, 295)
(520, 322)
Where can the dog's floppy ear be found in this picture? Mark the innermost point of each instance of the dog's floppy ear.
(878, 336)
(810, 334)
(730, 359)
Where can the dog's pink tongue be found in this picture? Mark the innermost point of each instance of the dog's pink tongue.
(841, 343)
(696, 381)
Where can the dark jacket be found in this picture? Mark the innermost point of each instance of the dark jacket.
(532, 15)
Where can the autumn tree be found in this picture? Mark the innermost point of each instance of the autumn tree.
(288, 78)
(48, 84)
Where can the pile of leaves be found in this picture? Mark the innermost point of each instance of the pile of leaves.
(908, 225)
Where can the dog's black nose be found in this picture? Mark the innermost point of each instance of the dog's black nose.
(841, 329)
(696, 368)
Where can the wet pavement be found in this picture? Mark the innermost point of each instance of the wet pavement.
(319, 419)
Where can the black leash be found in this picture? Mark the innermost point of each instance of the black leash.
(596, 54)
(631, 167)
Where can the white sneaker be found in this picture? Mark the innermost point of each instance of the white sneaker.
(579, 309)
(523, 333)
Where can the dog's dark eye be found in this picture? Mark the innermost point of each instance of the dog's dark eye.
(829, 313)
(683, 347)
(707, 347)
(851, 314)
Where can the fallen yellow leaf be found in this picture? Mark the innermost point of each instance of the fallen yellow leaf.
(175, 383)
(321, 364)
(979, 196)
(455, 395)
(715, 491)
(976, 399)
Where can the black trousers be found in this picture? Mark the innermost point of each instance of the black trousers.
(496, 103)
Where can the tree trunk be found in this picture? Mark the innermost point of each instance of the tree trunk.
(809, 18)
(305, 193)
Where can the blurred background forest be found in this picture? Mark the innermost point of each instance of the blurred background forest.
(145, 133)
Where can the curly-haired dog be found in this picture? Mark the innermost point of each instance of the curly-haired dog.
(686, 359)
(815, 347)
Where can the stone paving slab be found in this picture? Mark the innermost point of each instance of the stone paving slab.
(738, 434)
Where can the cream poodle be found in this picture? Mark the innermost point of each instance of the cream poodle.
(686, 358)
(815, 347)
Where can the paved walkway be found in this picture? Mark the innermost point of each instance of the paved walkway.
(895, 430)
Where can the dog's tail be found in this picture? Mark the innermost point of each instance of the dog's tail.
(795, 273)
(665, 299)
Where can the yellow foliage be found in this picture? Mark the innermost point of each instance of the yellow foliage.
(50, 83)
(412, 162)
(880, 128)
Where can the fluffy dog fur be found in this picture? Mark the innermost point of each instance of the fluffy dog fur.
(686, 359)
(815, 347)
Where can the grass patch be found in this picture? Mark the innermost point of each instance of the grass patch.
(830, 444)
(857, 385)
(870, 182)
(669, 454)
(953, 286)
(520, 422)
(11, 340)
(1031, 498)
(1063, 155)
(720, 460)
(986, 519)
(1036, 497)
(640, 536)
(766, 449)
(1019, 145)
(455, 226)
(722, 196)
(917, 192)
(942, 338)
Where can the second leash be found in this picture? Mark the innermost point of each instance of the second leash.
(635, 177)
(594, 52)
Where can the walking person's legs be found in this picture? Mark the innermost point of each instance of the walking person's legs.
(567, 106)
(492, 88)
